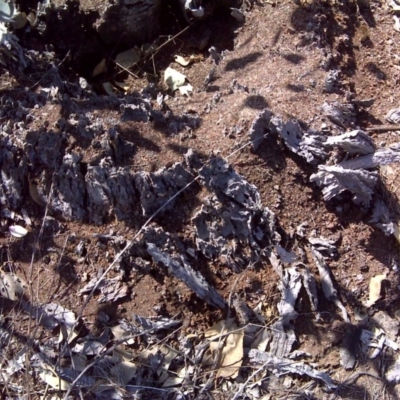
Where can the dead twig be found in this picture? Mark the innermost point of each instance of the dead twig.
(383, 128)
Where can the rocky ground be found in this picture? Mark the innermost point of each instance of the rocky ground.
(234, 242)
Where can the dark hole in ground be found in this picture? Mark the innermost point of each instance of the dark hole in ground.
(70, 31)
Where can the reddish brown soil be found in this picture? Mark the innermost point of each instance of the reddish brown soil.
(273, 55)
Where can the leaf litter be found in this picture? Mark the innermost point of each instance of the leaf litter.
(232, 225)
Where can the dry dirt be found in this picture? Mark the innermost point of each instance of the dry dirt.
(277, 55)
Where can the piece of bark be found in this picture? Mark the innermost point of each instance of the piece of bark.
(259, 128)
(310, 284)
(309, 145)
(336, 179)
(323, 245)
(14, 176)
(393, 116)
(342, 114)
(381, 217)
(383, 156)
(155, 189)
(120, 182)
(326, 282)
(220, 178)
(280, 365)
(233, 224)
(99, 197)
(354, 142)
(68, 194)
(181, 269)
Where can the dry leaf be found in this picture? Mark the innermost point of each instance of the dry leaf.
(182, 61)
(232, 347)
(122, 85)
(122, 354)
(109, 88)
(20, 20)
(186, 89)
(128, 58)
(218, 329)
(100, 68)
(31, 17)
(364, 32)
(54, 381)
(177, 379)
(173, 78)
(375, 285)
(67, 334)
(123, 372)
(120, 334)
(396, 232)
(17, 231)
(148, 48)
(79, 362)
(360, 314)
(232, 355)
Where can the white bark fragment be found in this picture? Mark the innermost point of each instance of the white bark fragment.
(327, 285)
(336, 179)
(354, 142)
(281, 366)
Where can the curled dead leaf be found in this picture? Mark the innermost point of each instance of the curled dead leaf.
(182, 61)
(375, 286)
(100, 68)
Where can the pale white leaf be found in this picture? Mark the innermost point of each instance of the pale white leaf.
(182, 61)
(54, 381)
(375, 285)
(173, 78)
(186, 89)
(18, 231)
(7, 11)
(61, 314)
(396, 25)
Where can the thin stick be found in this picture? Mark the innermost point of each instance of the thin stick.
(171, 39)
(257, 371)
(383, 128)
(125, 69)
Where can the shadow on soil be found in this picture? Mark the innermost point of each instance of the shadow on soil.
(335, 27)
